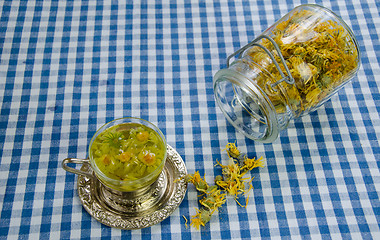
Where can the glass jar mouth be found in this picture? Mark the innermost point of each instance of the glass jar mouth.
(122, 184)
(246, 106)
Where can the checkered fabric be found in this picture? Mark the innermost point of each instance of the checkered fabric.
(68, 67)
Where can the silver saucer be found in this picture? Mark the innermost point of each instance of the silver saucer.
(142, 211)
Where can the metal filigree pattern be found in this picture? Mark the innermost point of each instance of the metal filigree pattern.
(165, 195)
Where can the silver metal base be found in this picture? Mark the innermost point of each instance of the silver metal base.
(136, 210)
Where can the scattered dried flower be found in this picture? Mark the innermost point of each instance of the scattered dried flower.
(251, 163)
(213, 199)
(232, 183)
(199, 183)
(232, 150)
(185, 221)
(202, 217)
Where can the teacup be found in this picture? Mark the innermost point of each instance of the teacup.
(126, 155)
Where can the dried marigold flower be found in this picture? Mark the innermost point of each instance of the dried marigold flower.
(213, 199)
(232, 150)
(202, 217)
(199, 183)
(233, 182)
(251, 163)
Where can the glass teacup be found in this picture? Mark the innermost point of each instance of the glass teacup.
(125, 155)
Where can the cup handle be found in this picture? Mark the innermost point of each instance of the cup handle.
(76, 161)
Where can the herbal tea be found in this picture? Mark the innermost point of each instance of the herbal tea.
(128, 151)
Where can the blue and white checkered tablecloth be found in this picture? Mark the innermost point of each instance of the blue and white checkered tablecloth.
(67, 67)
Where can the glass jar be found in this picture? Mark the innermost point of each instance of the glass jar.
(290, 70)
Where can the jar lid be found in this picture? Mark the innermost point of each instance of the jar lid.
(245, 106)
